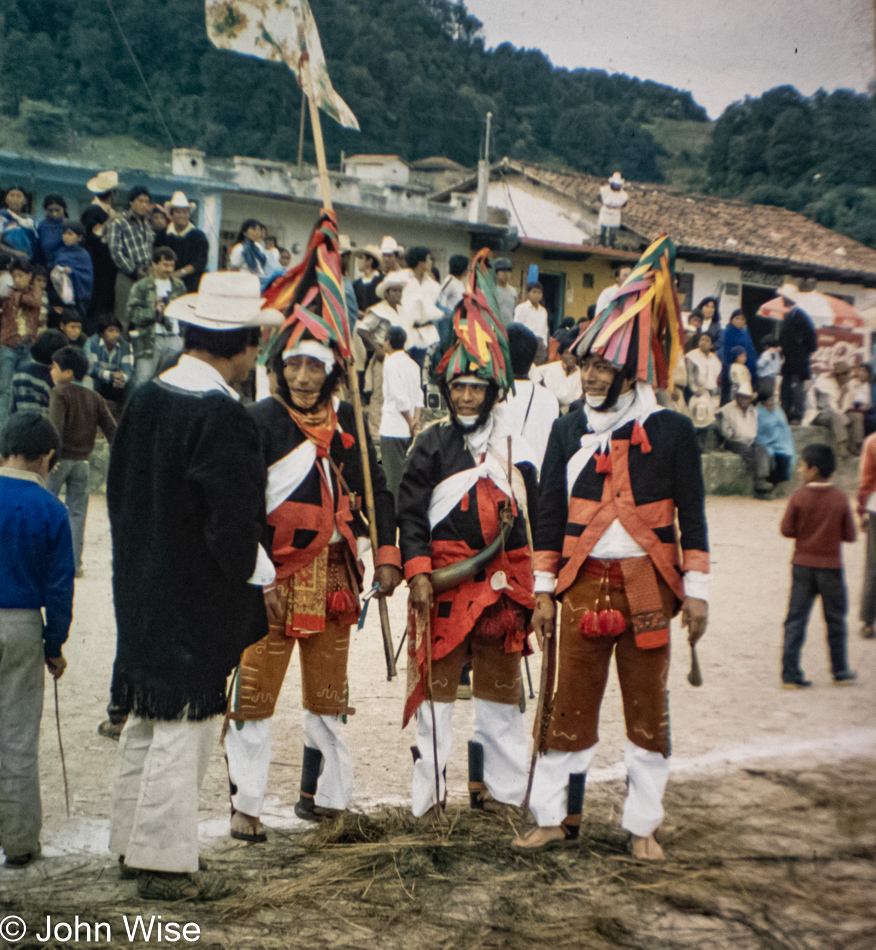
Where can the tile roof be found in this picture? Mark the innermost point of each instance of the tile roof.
(715, 227)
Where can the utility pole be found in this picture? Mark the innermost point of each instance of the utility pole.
(484, 175)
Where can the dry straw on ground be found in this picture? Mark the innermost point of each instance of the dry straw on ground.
(768, 859)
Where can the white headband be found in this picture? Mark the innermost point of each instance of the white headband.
(314, 349)
(471, 380)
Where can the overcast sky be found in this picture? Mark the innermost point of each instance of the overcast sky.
(719, 50)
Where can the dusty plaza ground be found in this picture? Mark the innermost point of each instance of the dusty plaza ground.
(770, 831)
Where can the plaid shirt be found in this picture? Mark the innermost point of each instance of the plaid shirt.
(102, 364)
(130, 242)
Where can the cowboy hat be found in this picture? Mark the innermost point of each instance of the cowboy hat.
(396, 278)
(346, 247)
(616, 179)
(745, 389)
(226, 300)
(372, 250)
(104, 181)
(388, 245)
(179, 200)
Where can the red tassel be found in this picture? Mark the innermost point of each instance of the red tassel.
(500, 624)
(603, 462)
(615, 622)
(463, 505)
(640, 438)
(341, 603)
(588, 624)
(347, 440)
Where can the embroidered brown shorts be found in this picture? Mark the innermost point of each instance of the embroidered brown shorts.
(323, 655)
(495, 674)
(583, 672)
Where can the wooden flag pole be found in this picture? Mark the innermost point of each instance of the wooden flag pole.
(352, 380)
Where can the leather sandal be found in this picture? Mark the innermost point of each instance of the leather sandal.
(530, 842)
(127, 873)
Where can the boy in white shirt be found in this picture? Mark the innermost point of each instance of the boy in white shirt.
(402, 404)
(534, 316)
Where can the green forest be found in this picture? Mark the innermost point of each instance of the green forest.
(420, 80)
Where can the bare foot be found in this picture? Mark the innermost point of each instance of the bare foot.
(647, 849)
(540, 838)
(248, 826)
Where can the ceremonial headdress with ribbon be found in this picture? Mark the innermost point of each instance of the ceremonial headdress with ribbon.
(311, 295)
(641, 329)
(479, 346)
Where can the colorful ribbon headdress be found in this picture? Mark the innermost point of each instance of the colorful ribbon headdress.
(312, 294)
(643, 322)
(480, 347)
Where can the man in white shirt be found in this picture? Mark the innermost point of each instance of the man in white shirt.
(738, 423)
(504, 291)
(830, 403)
(605, 298)
(563, 379)
(533, 315)
(420, 304)
(530, 409)
(402, 404)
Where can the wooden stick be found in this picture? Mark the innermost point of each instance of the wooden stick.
(428, 636)
(301, 130)
(315, 123)
(61, 747)
(352, 379)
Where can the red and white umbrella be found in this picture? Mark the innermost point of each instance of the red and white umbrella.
(822, 309)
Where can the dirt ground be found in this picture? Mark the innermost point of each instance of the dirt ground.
(770, 830)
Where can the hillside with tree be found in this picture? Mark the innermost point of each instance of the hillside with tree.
(815, 155)
(415, 72)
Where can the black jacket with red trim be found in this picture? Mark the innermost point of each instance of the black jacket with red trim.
(654, 476)
(300, 525)
(439, 452)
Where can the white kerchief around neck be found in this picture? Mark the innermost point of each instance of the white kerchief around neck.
(476, 441)
(196, 376)
(600, 422)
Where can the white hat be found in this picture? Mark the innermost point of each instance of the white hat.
(396, 278)
(745, 389)
(616, 179)
(388, 245)
(226, 300)
(179, 200)
(372, 250)
(104, 181)
(345, 247)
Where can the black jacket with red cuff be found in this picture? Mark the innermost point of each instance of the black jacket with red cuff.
(300, 524)
(651, 477)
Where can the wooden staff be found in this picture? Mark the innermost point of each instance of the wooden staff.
(352, 378)
(61, 747)
(428, 636)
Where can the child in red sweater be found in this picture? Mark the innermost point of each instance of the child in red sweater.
(819, 518)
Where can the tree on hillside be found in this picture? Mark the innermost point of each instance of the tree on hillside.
(414, 71)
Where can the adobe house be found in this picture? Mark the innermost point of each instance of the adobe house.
(728, 249)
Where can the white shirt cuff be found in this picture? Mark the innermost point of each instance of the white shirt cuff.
(696, 584)
(545, 582)
(264, 572)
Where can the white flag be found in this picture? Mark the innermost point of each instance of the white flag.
(282, 31)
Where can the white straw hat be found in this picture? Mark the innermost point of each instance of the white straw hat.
(396, 278)
(104, 181)
(745, 389)
(616, 179)
(388, 245)
(226, 300)
(179, 200)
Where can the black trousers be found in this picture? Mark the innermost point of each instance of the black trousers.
(793, 397)
(807, 584)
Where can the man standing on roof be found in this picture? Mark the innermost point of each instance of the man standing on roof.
(618, 473)
(457, 499)
(613, 198)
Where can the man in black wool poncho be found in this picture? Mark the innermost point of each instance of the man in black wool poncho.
(186, 500)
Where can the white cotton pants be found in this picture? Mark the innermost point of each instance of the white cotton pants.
(249, 758)
(498, 727)
(159, 772)
(647, 773)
